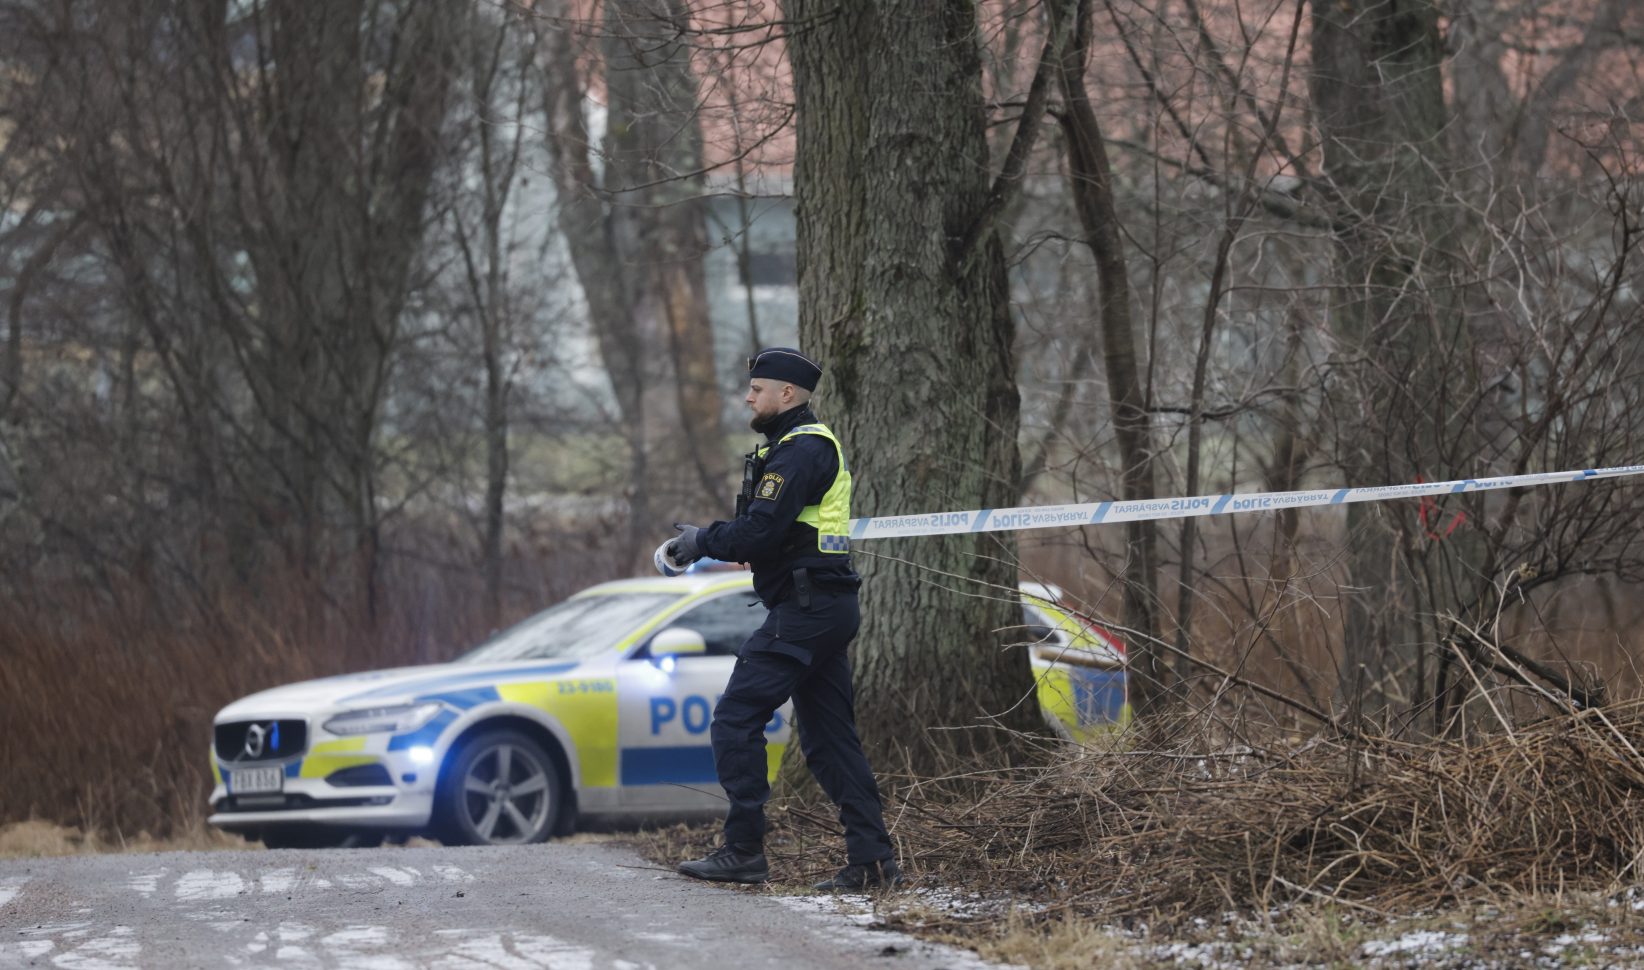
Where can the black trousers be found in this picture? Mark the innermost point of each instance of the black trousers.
(799, 652)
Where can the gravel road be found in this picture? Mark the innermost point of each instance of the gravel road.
(580, 906)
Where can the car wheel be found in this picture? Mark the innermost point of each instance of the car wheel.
(502, 789)
(318, 837)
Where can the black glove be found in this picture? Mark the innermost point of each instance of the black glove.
(685, 549)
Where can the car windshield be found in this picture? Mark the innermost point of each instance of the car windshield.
(576, 629)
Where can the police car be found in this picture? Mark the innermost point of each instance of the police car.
(598, 706)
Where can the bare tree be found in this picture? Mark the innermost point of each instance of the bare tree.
(501, 86)
(633, 215)
(1091, 184)
(904, 296)
(655, 169)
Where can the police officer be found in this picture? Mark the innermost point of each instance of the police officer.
(790, 527)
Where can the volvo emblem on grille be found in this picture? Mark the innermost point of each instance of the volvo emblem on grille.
(254, 737)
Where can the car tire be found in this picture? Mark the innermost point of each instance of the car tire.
(318, 837)
(568, 816)
(502, 788)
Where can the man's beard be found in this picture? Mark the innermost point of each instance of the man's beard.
(763, 425)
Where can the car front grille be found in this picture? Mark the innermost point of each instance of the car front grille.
(359, 776)
(268, 740)
(292, 802)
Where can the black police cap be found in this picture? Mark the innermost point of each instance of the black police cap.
(785, 364)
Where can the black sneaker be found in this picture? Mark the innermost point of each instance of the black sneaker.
(864, 876)
(728, 864)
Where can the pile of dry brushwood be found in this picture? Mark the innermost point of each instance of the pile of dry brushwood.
(1369, 823)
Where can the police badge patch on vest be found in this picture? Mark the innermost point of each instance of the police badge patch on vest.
(769, 487)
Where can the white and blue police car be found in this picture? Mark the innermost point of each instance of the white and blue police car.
(596, 707)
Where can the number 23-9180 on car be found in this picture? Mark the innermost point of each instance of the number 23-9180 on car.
(598, 706)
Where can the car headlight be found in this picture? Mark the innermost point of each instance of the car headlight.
(384, 720)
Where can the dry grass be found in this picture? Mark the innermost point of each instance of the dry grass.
(1333, 851)
(34, 839)
(107, 696)
(1542, 930)
(106, 720)
(1366, 824)
(1053, 945)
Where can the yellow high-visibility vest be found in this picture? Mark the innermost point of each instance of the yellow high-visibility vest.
(830, 517)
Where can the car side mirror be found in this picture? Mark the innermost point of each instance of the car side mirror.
(677, 641)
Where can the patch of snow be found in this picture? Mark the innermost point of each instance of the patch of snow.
(1564, 941)
(357, 936)
(1421, 942)
(852, 921)
(1208, 956)
(9, 890)
(206, 884)
(550, 952)
(399, 877)
(294, 932)
(116, 951)
(825, 904)
(376, 961)
(512, 951)
(967, 905)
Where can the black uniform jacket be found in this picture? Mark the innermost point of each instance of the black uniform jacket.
(769, 536)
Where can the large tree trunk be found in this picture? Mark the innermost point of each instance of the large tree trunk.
(891, 177)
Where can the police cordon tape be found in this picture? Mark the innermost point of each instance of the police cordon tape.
(1103, 513)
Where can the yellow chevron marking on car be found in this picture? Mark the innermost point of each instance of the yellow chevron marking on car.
(587, 709)
(216, 770)
(773, 759)
(329, 756)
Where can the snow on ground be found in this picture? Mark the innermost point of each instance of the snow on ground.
(1418, 940)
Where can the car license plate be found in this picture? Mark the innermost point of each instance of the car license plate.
(250, 781)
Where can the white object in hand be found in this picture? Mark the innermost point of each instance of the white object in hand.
(667, 565)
